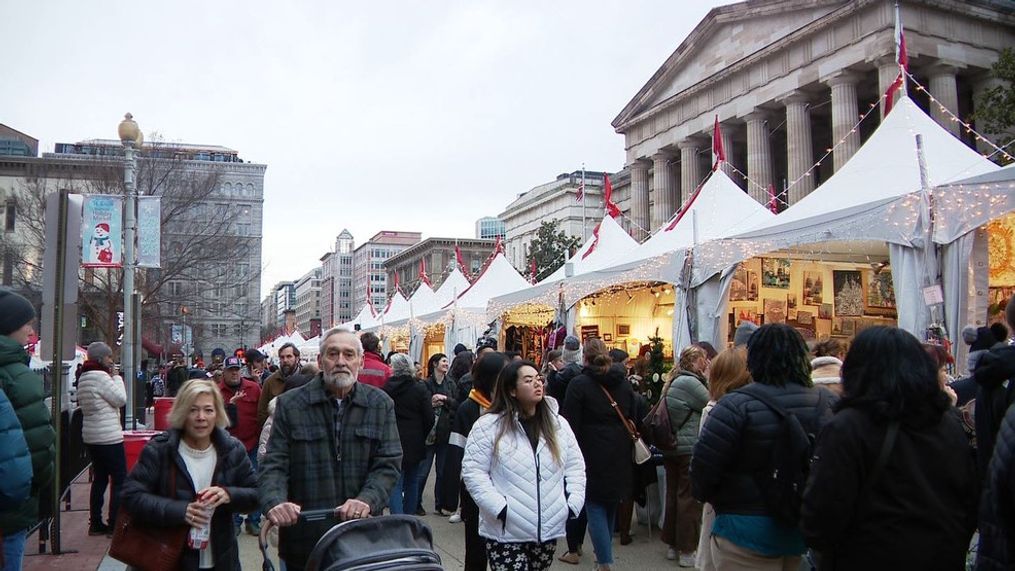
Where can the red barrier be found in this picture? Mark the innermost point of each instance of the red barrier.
(162, 407)
(133, 442)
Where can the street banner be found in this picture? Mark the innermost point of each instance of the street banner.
(176, 335)
(149, 231)
(102, 231)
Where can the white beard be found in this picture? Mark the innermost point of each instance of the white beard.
(338, 380)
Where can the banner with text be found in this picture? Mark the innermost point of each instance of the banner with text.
(102, 231)
(149, 231)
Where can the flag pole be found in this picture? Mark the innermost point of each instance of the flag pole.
(584, 224)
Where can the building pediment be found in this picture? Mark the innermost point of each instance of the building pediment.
(725, 36)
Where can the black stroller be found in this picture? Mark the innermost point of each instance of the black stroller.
(371, 544)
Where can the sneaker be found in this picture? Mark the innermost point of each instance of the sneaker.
(671, 554)
(570, 557)
(445, 513)
(455, 518)
(100, 528)
(420, 511)
(252, 528)
(687, 560)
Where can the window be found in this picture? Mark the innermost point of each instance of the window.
(243, 229)
(175, 288)
(10, 214)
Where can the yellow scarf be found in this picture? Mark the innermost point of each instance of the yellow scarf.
(479, 398)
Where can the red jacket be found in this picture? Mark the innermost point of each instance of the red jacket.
(243, 414)
(374, 372)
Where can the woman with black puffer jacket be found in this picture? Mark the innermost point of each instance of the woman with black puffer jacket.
(604, 441)
(206, 468)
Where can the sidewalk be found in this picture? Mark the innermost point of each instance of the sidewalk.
(73, 537)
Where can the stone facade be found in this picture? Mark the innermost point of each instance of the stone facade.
(789, 80)
(336, 282)
(308, 302)
(368, 274)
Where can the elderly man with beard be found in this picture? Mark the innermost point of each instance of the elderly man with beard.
(334, 445)
(274, 385)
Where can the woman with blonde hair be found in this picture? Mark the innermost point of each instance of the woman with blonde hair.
(194, 474)
(727, 373)
(686, 395)
(523, 467)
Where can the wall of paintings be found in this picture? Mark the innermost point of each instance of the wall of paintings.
(819, 299)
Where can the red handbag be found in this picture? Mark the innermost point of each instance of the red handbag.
(145, 547)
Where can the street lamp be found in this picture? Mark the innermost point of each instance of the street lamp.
(130, 136)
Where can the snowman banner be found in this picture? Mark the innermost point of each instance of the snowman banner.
(101, 231)
(149, 222)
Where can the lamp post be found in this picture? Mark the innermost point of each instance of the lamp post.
(130, 136)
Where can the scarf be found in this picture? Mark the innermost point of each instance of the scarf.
(481, 400)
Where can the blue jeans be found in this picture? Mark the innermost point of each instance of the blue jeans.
(109, 463)
(255, 516)
(438, 452)
(602, 518)
(14, 550)
(405, 495)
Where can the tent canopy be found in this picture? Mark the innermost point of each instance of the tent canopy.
(498, 278)
(609, 242)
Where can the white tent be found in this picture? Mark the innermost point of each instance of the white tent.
(608, 242)
(426, 302)
(310, 348)
(465, 317)
(397, 310)
(875, 198)
(365, 319)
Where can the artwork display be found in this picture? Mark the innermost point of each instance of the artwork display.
(880, 299)
(813, 287)
(804, 317)
(775, 311)
(847, 292)
(825, 311)
(744, 286)
(822, 328)
(775, 273)
(747, 314)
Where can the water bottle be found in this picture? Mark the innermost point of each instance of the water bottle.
(198, 537)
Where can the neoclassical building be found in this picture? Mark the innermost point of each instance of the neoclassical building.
(789, 80)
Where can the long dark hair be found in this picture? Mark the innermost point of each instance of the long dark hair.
(461, 364)
(506, 405)
(596, 356)
(777, 355)
(888, 373)
(431, 363)
(485, 371)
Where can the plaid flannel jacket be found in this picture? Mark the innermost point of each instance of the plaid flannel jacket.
(301, 464)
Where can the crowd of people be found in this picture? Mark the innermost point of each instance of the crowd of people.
(783, 455)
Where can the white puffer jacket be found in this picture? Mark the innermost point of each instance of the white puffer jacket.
(539, 493)
(100, 397)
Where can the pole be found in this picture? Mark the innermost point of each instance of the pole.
(56, 365)
(129, 233)
(927, 210)
(584, 200)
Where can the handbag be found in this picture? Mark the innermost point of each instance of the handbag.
(148, 548)
(658, 427)
(640, 454)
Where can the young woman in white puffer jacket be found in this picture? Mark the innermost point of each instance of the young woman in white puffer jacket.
(524, 469)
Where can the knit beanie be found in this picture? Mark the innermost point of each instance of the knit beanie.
(984, 339)
(459, 348)
(15, 312)
(969, 334)
(743, 333)
(572, 349)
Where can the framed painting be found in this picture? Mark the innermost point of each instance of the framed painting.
(775, 310)
(744, 286)
(880, 293)
(847, 292)
(825, 311)
(813, 287)
(775, 273)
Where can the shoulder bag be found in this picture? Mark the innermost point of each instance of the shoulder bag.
(149, 548)
(641, 453)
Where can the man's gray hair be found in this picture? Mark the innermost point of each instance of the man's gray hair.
(98, 351)
(402, 365)
(336, 331)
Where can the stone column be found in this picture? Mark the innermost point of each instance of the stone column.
(944, 88)
(664, 190)
(639, 198)
(759, 156)
(980, 86)
(799, 150)
(690, 168)
(845, 115)
(888, 70)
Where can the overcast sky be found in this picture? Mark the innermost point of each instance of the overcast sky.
(420, 115)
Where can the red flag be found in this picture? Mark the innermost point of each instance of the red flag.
(687, 206)
(498, 247)
(580, 195)
(397, 290)
(422, 273)
(461, 263)
(595, 241)
(612, 209)
(532, 271)
(717, 148)
(773, 202)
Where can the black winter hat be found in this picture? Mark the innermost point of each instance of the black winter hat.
(984, 339)
(15, 312)
(459, 348)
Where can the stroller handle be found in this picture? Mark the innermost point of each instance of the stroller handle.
(306, 516)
